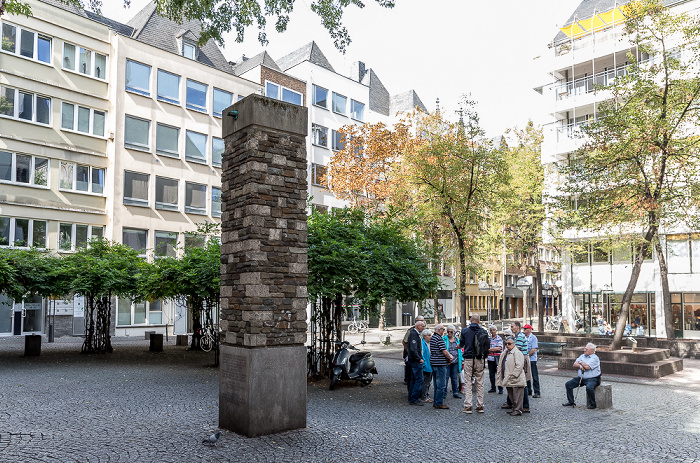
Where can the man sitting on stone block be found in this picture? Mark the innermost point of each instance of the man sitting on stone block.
(588, 365)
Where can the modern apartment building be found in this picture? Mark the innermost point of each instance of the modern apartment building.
(590, 50)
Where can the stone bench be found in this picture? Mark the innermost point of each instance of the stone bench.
(603, 395)
(552, 348)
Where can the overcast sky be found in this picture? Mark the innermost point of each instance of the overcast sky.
(495, 50)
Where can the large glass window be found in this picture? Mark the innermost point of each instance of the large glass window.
(290, 96)
(318, 175)
(357, 110)
(82, 119)
(167, 193)
(26, 106)
(165, 244)
(215, 202)
(195, 146)
(168, 87)
(196, 96)
(167, 140)
(320, 135)
(68, 56)
(78, 177)
(217, 151)
(339, 103)
(135, 189)
(30, 45)
(23, 169)
(73, 236)
(320, 96)
(89, 62)
(139, 313)
(222, 100)
(136, 133)
(135, 239)
(195, 198)
(278, 92)
(138, 78)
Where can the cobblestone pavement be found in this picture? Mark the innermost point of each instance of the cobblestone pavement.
(137, 406)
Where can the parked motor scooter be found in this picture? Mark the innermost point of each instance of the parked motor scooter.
(358, 366)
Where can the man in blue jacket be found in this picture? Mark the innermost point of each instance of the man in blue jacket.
(415, 362)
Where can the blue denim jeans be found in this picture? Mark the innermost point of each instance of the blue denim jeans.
(453, 375)
(590, 384)
(440, 381)
(415, 383)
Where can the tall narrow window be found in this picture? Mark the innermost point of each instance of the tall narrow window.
(166, 193)
(9, 37)
(357, 110)
(168, 87)
(217, 151)
(195, 198)
(339, 103)
(69, 56)
(320, 96)
(167, 140)
(136, 133)
(215, 202)
(320, 135)
(196, 96)
(195, 146)
(222, 100)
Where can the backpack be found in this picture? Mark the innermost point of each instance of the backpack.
(481, 344)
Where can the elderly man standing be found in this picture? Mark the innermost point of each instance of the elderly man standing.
(473, 364)
(532, 346)
(407, 369)
(415, 363)
(588, 365)
(440, 358)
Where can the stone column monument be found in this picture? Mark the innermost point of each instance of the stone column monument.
(262, 386)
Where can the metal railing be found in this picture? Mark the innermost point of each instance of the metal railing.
(588, 84)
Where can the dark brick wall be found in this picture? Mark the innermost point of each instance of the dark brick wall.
(284, 80)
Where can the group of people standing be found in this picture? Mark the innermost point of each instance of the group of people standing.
(446, 356)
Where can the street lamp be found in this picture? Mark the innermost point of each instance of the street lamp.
(484, 286)
(547, 293)
(524, 285)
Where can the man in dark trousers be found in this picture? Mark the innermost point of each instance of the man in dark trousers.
(404, 341)
(415, 362)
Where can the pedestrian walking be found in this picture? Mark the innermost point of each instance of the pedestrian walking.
(495, 350)
(427, 369)
(511, 375)
(407, 367)
(455, 366)
(440, 358)
(533, 387)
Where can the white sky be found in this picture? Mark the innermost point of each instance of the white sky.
(441, 48)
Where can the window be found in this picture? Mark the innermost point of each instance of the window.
(320, 135)
(167, 140)
(215, 202)
(138, 78)
(318, 175)
(22, 233)
(339, 103)
(135, 189)
(136, 133)
(278, 92)
(78, 177)
(167, 193)
(217, 151)
(82, 119)
(165, 244)
(193, 241)
(31, 44)
(189, 50)
(320, 96)
(222, 100)
(135, 239)
(140, 313)
(26, 106)
(678, 253)
(357, 110)
(601, 253)
(23, 169)
(196, 96)
(338, 141)
(73, 236)
(85, 61)
(195, 146)
(195, 198)
(168, 87)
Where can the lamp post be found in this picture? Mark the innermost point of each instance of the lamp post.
(606, 289)
(524, 285)
(555, 295)
(492, 289)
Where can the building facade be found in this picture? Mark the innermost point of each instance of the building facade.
(591, 51)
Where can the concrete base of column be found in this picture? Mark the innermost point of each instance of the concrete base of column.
(262, 390)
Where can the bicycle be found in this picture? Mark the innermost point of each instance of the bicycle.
(209, 339)
(553, 323)
(358, 326)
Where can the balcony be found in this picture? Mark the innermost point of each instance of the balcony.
(561, 140)
(605, 42)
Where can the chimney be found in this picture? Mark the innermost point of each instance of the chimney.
(358, 71)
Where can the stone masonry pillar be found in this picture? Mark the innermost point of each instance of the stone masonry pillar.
(262, 385)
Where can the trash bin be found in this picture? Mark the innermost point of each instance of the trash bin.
(406, 319)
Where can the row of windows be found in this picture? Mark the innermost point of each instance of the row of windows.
(24, 233)
(167, 191)
(319, 136)
(138, 80)
(339, 103)
(165, 242)
(24, 169)
(279, 92)
(35, 46)
(137, 135)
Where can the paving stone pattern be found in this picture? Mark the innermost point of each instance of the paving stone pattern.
(138, 406)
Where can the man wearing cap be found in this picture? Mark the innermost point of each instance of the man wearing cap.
(533, 385)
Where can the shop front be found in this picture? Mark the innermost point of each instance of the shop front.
(685, 310)
(595, 310)
(17, 319)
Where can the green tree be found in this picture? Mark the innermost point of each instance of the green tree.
(217, 18)
(637, 172)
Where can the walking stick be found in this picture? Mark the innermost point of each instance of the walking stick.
(578, 388)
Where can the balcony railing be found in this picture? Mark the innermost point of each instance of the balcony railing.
(588, 84)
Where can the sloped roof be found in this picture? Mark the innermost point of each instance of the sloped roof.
(162, 33)
(406, 101)
(379, 98)
(260, 59)
(309, 52)
(116, 26)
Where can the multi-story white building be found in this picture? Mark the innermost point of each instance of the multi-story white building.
(590, 50)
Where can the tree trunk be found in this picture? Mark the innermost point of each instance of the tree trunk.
(462, 283)
(666, 293)
(627, 297)
(538, 295)
(437, 311)
(382, 314)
